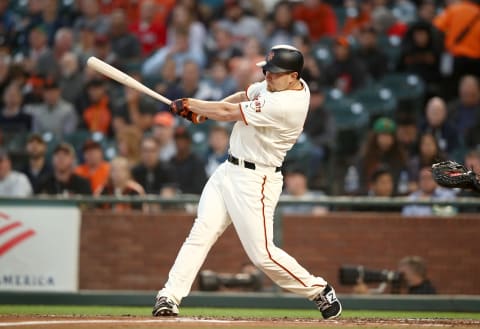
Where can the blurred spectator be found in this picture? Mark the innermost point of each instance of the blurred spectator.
(429, 153)
(385, 22)
(55, 115)
(420, 55)
(13, 119)
(168, 76)
(242, 26)
(320, 128)
(414, 273)
(52, 18)
(188, 167)
(125, 45)
(428, 190)
(128, 143)
(71, 78)
(312, 70)
(162, 132)
(472, 162)
(374, 59)
(182, 19)
(244, 70)
(191, 84)
(5, 73)
(96, 111)
(405, 11)
(223, 45)
(282, 27)
(8, 23)
(381, 184)
(346, 72)
(319, 17)
(151, 33)
(37, 47)
(407, 132)
(381, 148)
(102, 49)
(217, 152)
(94, 168)
(48, 62)
(426, 12)
(32, 90)
(244, 75)
(179, 51)
(296, 186)
(464, 112)
(120, 183)
(153, 175)
(459, 23)
(27, 18)
(37, 169)
(85, 41)
(358, 16)
(131, 7)
(220, 83)
(91, 16)
(64, 181)
(12, 183)
(139, 108)
(439, 126)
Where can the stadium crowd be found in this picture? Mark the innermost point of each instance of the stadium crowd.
(64, 129)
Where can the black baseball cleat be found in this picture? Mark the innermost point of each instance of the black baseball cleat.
(328, 303)
(164, 306)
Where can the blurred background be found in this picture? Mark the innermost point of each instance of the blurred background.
(98, 183)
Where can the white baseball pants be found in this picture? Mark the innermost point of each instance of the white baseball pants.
(247, 198)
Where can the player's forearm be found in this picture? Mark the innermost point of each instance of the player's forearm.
(235, 98)
(219, 111)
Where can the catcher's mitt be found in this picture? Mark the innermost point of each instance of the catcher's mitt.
(452, 174)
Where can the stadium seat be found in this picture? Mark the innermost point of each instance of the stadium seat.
(79, 137)
(376, 100)
(15, 142)
(52, 140)
(409, 89)
(341, 14)
(300, 152)
(391, 46)
(351, 119)
(322, 53)
(199, 134)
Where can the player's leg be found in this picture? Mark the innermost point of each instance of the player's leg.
(212, 220)
(251, 201)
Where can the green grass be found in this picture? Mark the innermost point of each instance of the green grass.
(221, 312)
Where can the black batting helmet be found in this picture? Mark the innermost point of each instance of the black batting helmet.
(283, 58)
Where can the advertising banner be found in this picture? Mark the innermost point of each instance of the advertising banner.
(39, 248)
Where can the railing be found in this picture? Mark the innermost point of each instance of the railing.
(339, 201)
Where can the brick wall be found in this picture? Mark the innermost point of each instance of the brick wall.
(135, 251)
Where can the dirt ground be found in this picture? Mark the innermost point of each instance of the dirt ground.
(102, 322)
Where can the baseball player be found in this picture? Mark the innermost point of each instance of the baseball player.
(245, 189)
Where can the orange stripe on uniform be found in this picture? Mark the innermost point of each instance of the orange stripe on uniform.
(241, 113)
(266, 239)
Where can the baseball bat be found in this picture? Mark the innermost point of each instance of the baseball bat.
(123, 78)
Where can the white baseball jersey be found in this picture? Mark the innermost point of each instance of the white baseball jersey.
(247, 197)
(272, 122)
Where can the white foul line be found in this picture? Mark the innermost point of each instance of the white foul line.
(108, 321)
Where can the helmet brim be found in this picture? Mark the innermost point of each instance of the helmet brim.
(268, 66)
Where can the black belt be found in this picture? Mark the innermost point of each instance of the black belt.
(246, 164)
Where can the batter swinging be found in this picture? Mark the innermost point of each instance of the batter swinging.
(245, 189)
